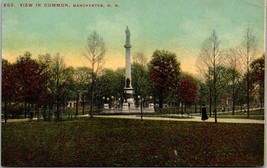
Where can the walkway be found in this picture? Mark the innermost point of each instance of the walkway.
(193, 119)
(165, 118)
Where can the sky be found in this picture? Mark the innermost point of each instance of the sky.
(179, 26)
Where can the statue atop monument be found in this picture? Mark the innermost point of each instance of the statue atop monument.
(128, 41)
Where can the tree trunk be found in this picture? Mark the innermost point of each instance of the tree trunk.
(77, 105)
(83, 103)
(38, 111)
(210, 101)
(5, 111)
(261, 95)
(233, 113)
(25, 110)
(233, 96)
(215, 109)
(248, 90)
(215, 86)
(64, 107)
(182, 111)
(91, 106)
(92, 98)
(161, 100)
(49, 111)
(57, 112)
(44, 114)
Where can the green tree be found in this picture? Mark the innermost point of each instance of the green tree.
(233, 61)
(58, 82)
(257, 76)
(82, 78)
(110, 85)
(67, 87)
(105, 87)
(140, 81)
(224, 77)
(119, 81)
(203, 93)
(58, 68)
(164, 70)
(46, 62)
(234, 86)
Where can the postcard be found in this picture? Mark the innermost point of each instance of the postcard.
(133, 83)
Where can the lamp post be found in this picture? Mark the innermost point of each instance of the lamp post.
(108, 102)
(119, 102)
(111, 103)
(103, 101)
(150, 99)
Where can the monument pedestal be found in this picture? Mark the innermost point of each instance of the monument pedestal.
(129, 102)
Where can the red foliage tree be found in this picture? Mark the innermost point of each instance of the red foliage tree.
(9, 85)
(29, 80)
(188, 89)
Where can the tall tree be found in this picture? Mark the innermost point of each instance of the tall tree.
(120, 84)
(106, 84)
(187, 89)
(110, 85)
(45, 62)
(29, 80)
(233, 61)
(82, 78)
(9, 85)
(224, 77)
(257, 77)
(59, 82)
(208, 60)
(164, 70)
(67, 86)
(247, 51)
(95, 52)
(141, 83)
(203, 93)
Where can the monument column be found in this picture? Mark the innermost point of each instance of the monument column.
(128, 46)
(129, 103)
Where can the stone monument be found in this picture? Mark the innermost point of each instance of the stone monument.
(128, 90)
(128, 102)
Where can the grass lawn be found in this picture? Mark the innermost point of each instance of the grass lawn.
(255, 114)
(123, 142)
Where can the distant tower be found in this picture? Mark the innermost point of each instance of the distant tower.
(128, 90)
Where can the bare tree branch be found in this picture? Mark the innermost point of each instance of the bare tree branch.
(95, 52)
